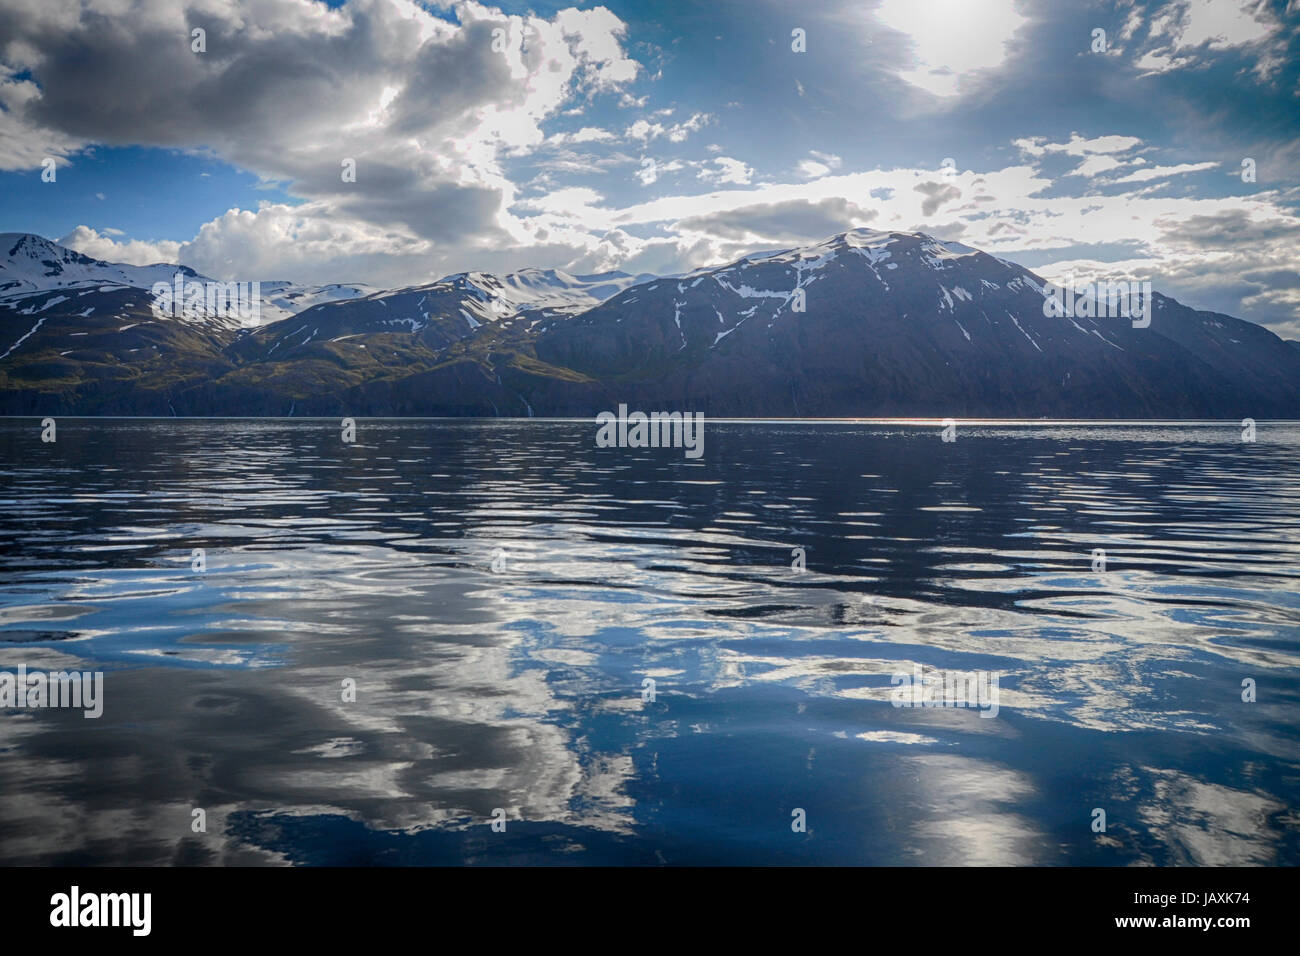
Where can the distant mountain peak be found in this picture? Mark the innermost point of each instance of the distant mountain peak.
(33, 263)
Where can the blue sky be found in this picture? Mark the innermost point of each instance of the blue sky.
(660, 137)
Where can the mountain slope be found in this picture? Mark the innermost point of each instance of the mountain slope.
(102, 351)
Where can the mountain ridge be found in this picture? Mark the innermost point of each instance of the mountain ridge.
(867, 323)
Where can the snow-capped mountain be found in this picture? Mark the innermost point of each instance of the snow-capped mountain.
(30, 263)
(441, 312)
(282, 299)
(867, 323)
(899, 276)
(557, 289)
(906, 324)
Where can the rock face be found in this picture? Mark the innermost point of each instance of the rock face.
(869, 324)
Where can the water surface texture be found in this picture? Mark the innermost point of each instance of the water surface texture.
(521, 688)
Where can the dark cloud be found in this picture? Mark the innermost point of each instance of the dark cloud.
(1274, 278)
(289, 91)
(796, 220)
(936, 195)
(1235, 226)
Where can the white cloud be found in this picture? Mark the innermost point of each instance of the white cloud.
(1183, 29)
(646, 131)
(588, 134)
(1095, 165)
(951, 40)
(727, 170)
(135, 252)
(651, 170)
(570, 203)
(1099, 155)
(1078, 145)
(818, 164)
(1164, 172)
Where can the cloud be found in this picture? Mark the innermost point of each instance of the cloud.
(1101, 155)
(651, 170)
(570, 203)
(797, 220)
(1229, 229)
(936, 194)
(1164, 172)
(1184, 31)
(724, 169)
(424, 106)
(1095, 165)
(645, 131)
(133, 252)
(819, 164)
(25, 144)
(1077, 145)
(588, 134)
(951, 40)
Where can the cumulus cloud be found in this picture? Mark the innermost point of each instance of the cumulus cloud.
(725, 169)
(644, 131)
(134, 252)
(651, 170)
(423, 108)
(25, 144)
(588, 134)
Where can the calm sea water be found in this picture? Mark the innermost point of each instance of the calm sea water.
(521, 689)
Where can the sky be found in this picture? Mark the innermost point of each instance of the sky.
(1157, 141)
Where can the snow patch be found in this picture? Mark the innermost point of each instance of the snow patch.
(30, 331)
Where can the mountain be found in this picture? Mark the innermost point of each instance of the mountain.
(102, 350)
(898, 324)
(867, 324)
(282, 299)
(31, 264)
(436, 314)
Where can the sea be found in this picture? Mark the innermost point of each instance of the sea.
(494, 642)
